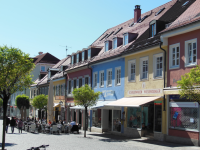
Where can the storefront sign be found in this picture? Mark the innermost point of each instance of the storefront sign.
(108, 93)
(147, 91)
(60, 97)
(184, 104)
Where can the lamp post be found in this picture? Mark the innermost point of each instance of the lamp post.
(8, 109)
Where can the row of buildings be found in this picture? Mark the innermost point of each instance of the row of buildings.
(136, 66)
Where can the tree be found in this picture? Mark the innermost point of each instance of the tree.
(189, 85)
(85, 97)
(15, 69)
(21, 101)
(40, 101)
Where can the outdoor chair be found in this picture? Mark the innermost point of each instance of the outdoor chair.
(75, 128)
(26, 128)
(55, 129)
(66, 129)
(32, 128)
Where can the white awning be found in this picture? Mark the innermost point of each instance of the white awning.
(132, 101)
(56, 104)
(98, 105)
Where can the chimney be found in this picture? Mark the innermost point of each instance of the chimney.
(40, 53)
(137, 13)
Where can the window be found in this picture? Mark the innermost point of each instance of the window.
(114, 43)
(144, 68)
(80, 82)
(118, 31)
(125, 41)
(86, 80)
(43, 68)
(72, 59)
(153, 30)
(159, 11)
(83, 56)
(106, 46)
(77, 58)
(96, 118)
(158, 65)
(101, 79)
(74, 83)
(185, 4)
(191, 52)
(89, 53)
(70, 87)
(95, 79)
(109, 77)
(131, 70)
(118, 76)
(174, 56)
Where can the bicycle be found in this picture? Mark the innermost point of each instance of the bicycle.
(38, 148)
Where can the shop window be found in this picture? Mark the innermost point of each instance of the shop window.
(116, 120)
(96, 118)
(184, 118)
(137, 117)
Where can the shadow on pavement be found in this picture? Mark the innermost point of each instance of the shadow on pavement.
(160, 143)
(8, 144)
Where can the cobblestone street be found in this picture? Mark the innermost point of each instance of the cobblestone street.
(93, 140)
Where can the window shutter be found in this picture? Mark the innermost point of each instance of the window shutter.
(72, 84)
(77, 83)
(83, 81)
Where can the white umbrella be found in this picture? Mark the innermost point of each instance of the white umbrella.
(50, 102)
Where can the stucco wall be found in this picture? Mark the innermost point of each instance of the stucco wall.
(150, 83)
(106, 90)
(174, 75)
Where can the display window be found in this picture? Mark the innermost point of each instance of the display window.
(117, 120)
(96, 118)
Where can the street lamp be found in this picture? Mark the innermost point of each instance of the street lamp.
(8, 109)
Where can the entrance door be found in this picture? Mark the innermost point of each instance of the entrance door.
(110, 120)
(56, 115)
(158, 117)
(151, 117)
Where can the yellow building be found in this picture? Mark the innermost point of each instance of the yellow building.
(144, 83)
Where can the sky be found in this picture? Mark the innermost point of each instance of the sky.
(50, 25)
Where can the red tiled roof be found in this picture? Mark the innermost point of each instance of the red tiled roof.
(192, 14)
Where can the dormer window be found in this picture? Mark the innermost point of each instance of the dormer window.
(125, 41)
(77, 58)
(43, 69)
(83, 54)
(89, 53)
(106, 46)
(72, 60)
(153, 30)
(114, 43)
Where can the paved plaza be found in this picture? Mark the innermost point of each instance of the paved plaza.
(93, 141)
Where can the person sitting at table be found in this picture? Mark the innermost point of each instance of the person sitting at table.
(49, 123)
(54, 123)
(72, 123)
(64, 121)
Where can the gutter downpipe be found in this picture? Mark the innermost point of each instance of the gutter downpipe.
(91, 88)
(164, 71)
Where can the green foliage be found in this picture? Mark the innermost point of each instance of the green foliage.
(189, 85)
(40, 101)
(15, 69)
(22, 100)
(85, 96)
(1, 102)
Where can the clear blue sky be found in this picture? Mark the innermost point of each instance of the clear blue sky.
(50, 25)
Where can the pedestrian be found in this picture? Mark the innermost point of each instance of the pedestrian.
(12, 124)
(20, 125)
(7, 123)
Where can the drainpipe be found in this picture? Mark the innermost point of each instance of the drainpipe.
(91, 76)
(164, 70)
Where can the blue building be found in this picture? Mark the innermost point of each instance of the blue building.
(108, 78)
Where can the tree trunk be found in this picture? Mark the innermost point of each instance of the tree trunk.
(85, 121)
(5, 101)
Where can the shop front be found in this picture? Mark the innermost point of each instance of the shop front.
(183, 125)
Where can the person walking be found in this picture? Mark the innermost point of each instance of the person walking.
(12, 124)
(20, 125)
(7, 123)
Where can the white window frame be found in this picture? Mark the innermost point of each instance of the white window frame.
(116, 76)
(70, 87)
(187, 64)
(87, 76)
(141, 68)
(44, 68)
(95, 82)
(124, 43)
(171, 56)
(153, 30)
(155, 56)
(106, 46)
(100, 73)
(89, 50)
(129, 70)
(79, 81)
(107, 77)
(114, 44)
